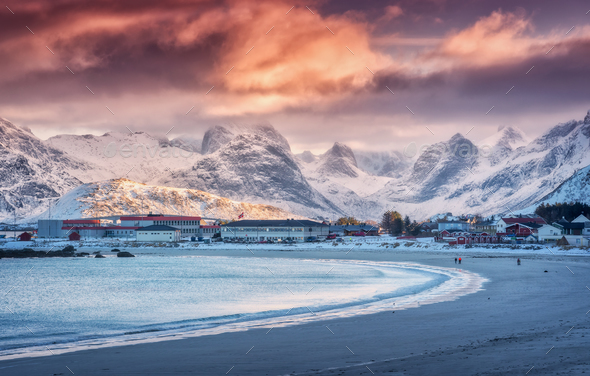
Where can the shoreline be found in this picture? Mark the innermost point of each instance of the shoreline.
(518, 304)
(459, 283)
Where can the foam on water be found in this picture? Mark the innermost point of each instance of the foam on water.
(73, 304)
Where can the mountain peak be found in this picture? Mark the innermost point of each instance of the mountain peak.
(307, 156)
(339, 150)
(587, 118)
(339, 160)
(215, 138)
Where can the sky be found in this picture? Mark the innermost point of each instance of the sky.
(375, 75)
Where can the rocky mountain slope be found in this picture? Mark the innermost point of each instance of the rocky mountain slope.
(256, 166)
(456, 176)
(504, 173)
(123, 196)
(32, 172)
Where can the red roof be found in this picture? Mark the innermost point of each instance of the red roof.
(102, 228)
(160, 218)
(538, 220)
(82, 221)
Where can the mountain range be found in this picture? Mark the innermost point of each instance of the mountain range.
(235, 164)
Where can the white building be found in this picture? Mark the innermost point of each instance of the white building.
(549, 233)
(275, 230)
(158, 233)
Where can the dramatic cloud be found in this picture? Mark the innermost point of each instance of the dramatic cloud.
(314, 69)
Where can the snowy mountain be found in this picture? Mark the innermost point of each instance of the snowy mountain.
(390, 164)
(338, 161)
(574, 189)
(337, 177)
(123, 196)
(256, 166)
(502, 174)
(307, 156)
(138, 155)
(456, 176)
(502, 144)
(31, 172)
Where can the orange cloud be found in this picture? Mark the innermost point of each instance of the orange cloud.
(297, 59)
(497, 38)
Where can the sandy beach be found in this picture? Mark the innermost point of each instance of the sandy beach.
(524, 320)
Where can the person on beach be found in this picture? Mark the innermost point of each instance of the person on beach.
(518, 262)
(455, 260)
(459, 260)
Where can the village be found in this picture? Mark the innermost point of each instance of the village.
(160, 228)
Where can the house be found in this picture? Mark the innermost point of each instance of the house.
(463, 240)
(505, 222)
(521, 230)
(429, 227)
(453, 225)
(581, 218)
(275, 230)
(570, 228)
(74, 236)
(157, 233)
(487, 226)
(575, 233)
(549, 233)
(24, 237)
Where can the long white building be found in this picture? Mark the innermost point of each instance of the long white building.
(158, 233)
(281, 229)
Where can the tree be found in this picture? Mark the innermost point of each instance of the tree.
(555, 212)
(414, 228)
(347, 221)
(397, 227)
(392, 222)
(407, 223)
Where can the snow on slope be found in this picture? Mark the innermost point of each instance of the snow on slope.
(574, 189)
(391, 164)
(139, 156)
(123, 196)
(256, 167)
(32, 172)
(460, 180)
(337, 177)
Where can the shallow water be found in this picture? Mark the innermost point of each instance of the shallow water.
(62, 301)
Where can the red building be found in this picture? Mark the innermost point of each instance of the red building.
(24, 237)
(74, 236)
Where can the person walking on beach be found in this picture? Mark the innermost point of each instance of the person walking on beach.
(455, 260)
(518, 262)
(459, 260)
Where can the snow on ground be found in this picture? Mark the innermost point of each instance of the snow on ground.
(368, 244)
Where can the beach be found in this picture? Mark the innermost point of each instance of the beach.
(523, 320)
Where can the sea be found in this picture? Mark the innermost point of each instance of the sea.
(61, 303)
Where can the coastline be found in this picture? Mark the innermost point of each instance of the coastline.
(449, 284)
(434, 335)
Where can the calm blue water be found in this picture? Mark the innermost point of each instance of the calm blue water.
(62, 301)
